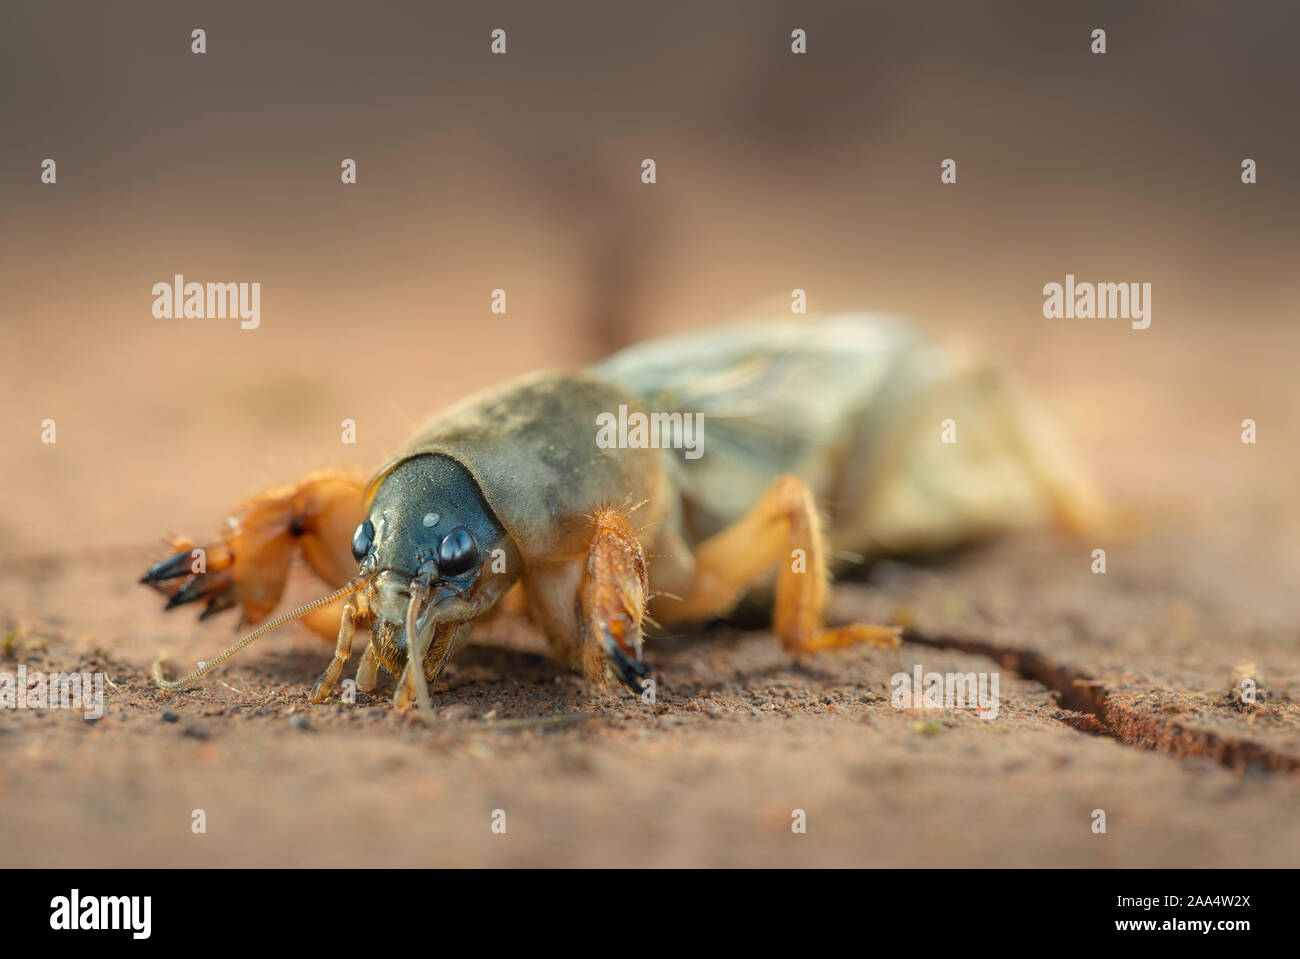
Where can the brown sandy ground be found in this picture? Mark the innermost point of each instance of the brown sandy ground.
(740, 737)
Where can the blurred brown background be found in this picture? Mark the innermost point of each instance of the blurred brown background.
(522, 172)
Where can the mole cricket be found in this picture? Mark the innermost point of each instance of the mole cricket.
(821, 440)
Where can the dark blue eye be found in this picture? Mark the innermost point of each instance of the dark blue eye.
(362, 540)
(457, 552)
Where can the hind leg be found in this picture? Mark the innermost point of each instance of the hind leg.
(248, 565)
(782, 530)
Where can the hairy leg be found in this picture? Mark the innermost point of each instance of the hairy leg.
(592, 608)
(342, 650)
(782, 530)
(247, 567)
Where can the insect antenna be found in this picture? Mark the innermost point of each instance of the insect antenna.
(346, 590)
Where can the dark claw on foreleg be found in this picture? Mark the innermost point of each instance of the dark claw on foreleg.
(174, 578)
(629, 671)
(203, 586)
(175, 566)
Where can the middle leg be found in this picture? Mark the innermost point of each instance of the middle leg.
(782, 530)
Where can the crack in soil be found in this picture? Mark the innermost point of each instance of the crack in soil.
(1101, 714)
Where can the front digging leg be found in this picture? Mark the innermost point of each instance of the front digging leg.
(613, 598)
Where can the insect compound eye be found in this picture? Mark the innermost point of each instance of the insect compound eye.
(457, 552)
(362, 540)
